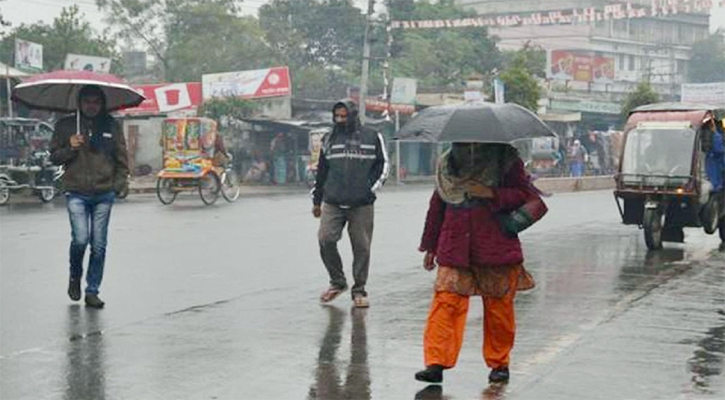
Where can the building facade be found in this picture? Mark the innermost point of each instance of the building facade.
(654, 48)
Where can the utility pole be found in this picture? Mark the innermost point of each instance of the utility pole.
(366, 61)
(9, 84)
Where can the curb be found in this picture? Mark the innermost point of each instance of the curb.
(551, 185)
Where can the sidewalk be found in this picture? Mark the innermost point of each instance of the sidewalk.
(147, 184)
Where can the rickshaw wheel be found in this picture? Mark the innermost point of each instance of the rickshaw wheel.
(652, 222)
(230, 186)
(710, 215)
(47, 195)
(209, 188)
(164, 191)
(4, 193)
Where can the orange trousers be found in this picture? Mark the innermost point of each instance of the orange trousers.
(447, 322)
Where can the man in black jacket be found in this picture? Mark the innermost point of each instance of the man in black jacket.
(353, 165)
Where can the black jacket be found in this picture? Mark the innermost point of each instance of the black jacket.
(353, 164)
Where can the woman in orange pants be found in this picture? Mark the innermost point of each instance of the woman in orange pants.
(483, 198)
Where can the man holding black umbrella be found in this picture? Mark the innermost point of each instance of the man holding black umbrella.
(91, 147)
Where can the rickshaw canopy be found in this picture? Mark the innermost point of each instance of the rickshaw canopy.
(188, 144)
(695, 117)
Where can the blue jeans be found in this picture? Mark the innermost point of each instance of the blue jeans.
(89, 217)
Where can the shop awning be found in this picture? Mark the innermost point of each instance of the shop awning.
(7, 71)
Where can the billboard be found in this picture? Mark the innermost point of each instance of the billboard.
(404, 91)
(708, 93)
(569, 65)
(167, 98)
(255, 84)
(28, 55)
(78, 62)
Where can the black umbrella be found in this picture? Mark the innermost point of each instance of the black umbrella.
(474, 122)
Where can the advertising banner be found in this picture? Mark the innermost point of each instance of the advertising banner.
(167, 98)
(708, 93)
(570, 16)
(28, 55)
(579, 66)
(255, 84)
(404, 91)
(79, 62)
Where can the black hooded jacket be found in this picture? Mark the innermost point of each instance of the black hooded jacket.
(353, 163)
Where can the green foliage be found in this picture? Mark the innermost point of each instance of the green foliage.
(318, 83)
(643, 95)
(227, 107)
(440, 58)
(521, 87)
(310, 33)
(137, 21)
(207, 37)
(321, 40)
(708, 60)
(69, 33)
(191, 37)
(3, 22)
(530, 57)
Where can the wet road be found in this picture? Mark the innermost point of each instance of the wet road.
(221, 303)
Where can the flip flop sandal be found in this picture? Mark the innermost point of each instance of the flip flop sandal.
(331, 294)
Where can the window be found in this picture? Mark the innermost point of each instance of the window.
(680, 66)
(620, 29)
(631, 63)
(621, 62)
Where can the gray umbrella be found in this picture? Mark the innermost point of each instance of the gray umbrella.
(474, 122)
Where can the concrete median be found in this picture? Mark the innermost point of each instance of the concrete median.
(582, 184)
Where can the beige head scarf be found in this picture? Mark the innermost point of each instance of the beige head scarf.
(489, 165)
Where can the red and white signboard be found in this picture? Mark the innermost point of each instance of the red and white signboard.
(167, 98)
(260, 83)
(612, 11)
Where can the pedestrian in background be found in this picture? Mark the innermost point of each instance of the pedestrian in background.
(577, 159)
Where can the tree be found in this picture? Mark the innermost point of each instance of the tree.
(440, 58)
(530, 57)
(3, 22)
(191, 37)
(137, 21)
(207, 37)
(314, 33)
(521, 87)
(708, 60)
(320, 83)
(643, 95)
(227, 107)
(69, 33)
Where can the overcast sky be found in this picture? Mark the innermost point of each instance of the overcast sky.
(29, 11)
